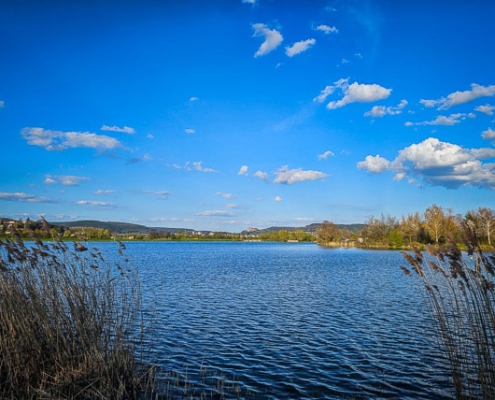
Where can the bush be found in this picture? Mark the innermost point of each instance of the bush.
(459, 289)
(69, 324)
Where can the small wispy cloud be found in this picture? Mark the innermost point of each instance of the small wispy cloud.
(125, 129)
(460, 97)
(98, 204)
(2, 104)
(65, 180)
(452, 119)
(353, 93)
(104, 191)
(381, 111)
(299, 47)
(243, 170)
(284, 175)
(160, 194)
(325, 155)
(273, 39)
(194, 166)
(214, 213)
(326, 29)
(189, 130)
(194, 98)
(278, 199)
(262, 175)
(224, 195)
(58, 140)
(486, 109)
(24, 197)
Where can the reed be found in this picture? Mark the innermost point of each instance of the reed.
(459, 290)
(69, 324)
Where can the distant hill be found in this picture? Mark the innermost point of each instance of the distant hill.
(312, 228)
(117, 227)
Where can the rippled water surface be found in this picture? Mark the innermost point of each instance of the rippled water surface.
(292, 320)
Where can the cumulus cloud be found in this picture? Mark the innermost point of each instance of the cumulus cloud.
(381, 111)
(299, 47)
(461, 97)
(284, 175)
(488, 134)
(24, 197)
(452, 119)
(262, 175)
(65, 180)
(445, 164)
(486, 109)
(278, 198)
(374, 164)
(243, 170)
(326, 29)
(353, 93)
(273, 39)
(58, 140)
(325, 155)
(125, 129)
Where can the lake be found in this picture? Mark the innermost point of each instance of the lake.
(291, 321)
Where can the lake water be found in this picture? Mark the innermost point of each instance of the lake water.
(291, 321)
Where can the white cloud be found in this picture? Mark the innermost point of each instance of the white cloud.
(194, 98)
(380, 111)
(224, 195)
(104, 191)
(488, 134)
(452, 119)
(326, 29)
(278, 198)
(299, 47)
(125, 129)
(160, 194)
(24, 197)
(65, 180)
(486, 109)
(189, 130)
(327, 91)
(250, 1)
(325, 155)
(194, 166)
(374, 164)
(456, 98)
(215, 213)
(2, 104)
(288, 176)
(101, 204)
(353, 93)
(58, 140)
(243, 170)
(445, 164)
(262, 175)
(273, 39)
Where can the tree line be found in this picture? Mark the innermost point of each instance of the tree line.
(434, 226)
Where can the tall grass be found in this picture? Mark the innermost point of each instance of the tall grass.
(459, 289)
(69, 324)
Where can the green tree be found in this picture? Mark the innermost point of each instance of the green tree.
(328, 232)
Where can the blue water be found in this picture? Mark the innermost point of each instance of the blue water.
(291, 321)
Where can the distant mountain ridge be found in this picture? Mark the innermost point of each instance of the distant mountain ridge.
(126, 227)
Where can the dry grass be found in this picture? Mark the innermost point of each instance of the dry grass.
(69, 324)
(459, 289)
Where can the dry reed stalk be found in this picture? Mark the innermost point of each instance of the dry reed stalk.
(68, 323)
(459, 290)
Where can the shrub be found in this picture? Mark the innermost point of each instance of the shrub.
(459, 289)
(69, 324)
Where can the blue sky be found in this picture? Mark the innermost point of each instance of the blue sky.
(230, 114)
